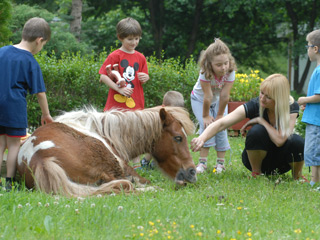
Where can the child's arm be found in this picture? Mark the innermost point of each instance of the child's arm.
(143, 77)
(224, 98)
(125, 91)
(207, 98)
(312, 99)
(45, 117)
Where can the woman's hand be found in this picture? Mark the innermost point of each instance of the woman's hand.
(196, 144)
(249, 123)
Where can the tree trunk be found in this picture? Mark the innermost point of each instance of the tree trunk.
(298, 84)
(156, 8)
(195, 27)
(76, 14)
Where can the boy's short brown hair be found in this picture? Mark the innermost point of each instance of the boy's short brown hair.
(173, 98)
(314, 38)
(35, 28)
(128, 27)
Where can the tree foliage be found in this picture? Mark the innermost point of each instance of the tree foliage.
(254, 30)
(5, 16)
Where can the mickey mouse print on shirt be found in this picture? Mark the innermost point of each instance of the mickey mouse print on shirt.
(129, 74)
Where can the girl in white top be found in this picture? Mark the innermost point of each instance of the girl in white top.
(210, 96)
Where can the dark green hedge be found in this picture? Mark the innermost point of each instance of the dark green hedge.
(72, 82)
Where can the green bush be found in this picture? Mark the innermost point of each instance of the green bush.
(300, 127)
(169, 74)
(72, 82)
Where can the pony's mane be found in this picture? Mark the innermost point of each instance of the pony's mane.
(131, 133)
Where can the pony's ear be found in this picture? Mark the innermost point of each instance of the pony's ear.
(165, 117)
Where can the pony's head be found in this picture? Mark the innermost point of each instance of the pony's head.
(171, 150)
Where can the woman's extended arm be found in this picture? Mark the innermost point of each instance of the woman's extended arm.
(232, 118)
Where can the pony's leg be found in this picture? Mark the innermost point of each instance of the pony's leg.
(133, 176)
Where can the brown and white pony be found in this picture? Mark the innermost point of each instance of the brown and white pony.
(87, 152)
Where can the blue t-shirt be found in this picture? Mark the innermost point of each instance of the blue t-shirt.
(311, 114)
(19, 73)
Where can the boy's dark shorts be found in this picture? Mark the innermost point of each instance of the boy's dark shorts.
(13, 132)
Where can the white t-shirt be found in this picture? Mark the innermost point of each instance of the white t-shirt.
(216, 85)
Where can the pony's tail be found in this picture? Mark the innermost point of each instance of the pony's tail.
(51, 178)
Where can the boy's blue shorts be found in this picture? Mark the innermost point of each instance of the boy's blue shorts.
(13, 132)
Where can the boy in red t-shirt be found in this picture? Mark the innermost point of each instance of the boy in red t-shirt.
(132, 66)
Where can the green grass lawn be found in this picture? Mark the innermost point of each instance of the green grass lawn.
(226, 206)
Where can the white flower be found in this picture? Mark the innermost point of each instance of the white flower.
(120, 208)
(28, 204)
(99, 196)
(77, 211)
(80, 198)
(93, 205)
(19, 206)
(67, 206)
(140, 227)
(39, 204)
(47, 205)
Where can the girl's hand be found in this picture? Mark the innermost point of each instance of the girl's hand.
(143, 77)
(207, 121)
(196, 144)
(125, 91)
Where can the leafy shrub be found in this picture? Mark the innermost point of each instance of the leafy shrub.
(246, 86)
(300, 127)
(72, 82)
(169, 74)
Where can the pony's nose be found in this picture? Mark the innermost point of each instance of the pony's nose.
(191, 175)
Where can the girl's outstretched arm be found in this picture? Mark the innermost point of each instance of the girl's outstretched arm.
(221, 124)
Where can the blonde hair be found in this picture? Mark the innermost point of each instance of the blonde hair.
(216, 48)
(128, 27)
(173, 98)
(278, 89)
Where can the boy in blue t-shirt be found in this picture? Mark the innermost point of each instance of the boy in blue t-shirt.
(20, 73)
(311, 114)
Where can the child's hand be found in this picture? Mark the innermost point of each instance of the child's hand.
(302, 101)
(143, 77)
(207, 121)
(45, 119)
(125, 91)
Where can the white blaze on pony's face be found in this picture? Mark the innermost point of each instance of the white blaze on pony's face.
(28, 149)
(172, 151)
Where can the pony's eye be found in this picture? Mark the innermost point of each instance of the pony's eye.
(178, 139)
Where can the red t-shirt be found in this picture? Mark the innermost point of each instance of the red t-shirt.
(129, 66)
